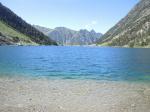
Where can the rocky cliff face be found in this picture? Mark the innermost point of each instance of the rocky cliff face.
(65, 36)
(131, 31)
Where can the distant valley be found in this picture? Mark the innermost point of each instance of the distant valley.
(66, 36)
(15, 31)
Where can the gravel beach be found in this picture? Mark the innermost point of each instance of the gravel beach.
(45, 95)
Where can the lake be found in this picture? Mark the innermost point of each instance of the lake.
(75, 62)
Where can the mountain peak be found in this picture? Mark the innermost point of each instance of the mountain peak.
(83, 30)
(92, 31)
(66, 36)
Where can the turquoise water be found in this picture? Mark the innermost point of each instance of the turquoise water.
(76, 62)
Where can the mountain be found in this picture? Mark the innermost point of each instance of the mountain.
(44, 30)
(131, 31)
(66, 36)
(14, 30)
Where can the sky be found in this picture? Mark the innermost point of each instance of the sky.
(99, 15)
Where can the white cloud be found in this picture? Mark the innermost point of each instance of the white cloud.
(91, 25)
(86, 26)
(94, 22)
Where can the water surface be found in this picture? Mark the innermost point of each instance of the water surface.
(96, 63)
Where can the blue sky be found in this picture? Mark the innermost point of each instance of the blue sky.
(99, 15)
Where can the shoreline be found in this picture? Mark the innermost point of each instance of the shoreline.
(20, 94)
(98, 46)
